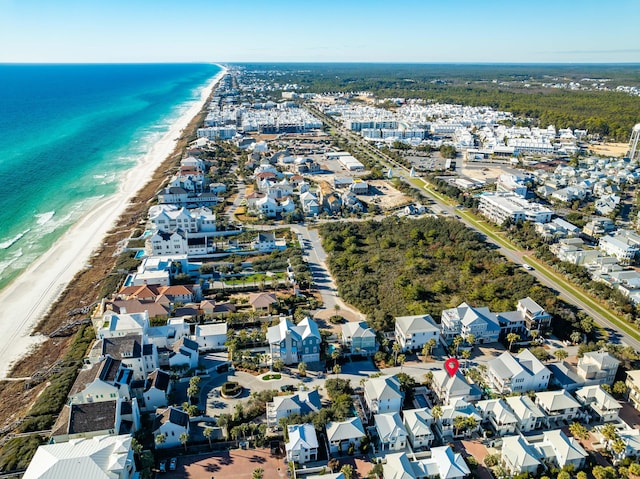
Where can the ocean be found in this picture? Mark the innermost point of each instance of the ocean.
(66, 134)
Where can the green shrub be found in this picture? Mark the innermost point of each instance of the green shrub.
(18, 452)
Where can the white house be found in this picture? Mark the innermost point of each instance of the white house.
(341, 434)
(559, 406)
(446, 425)
(598, 367)
(170, 424)
(114, 325)
(302, 402)
(391, 432)
(529, 415)
(599, 402)
(156, 390)
(162, 243)
(140, 357)
(449, 388)
(519, 456)
(517, 374)
(465, 320)
(413, 332)
(443, 463)
(184, 353)
(563, 450)
(383, 394)
(302, 446)
(101, 457)
(499, 415)
(104, 380)
(418, 424)
(211, 337)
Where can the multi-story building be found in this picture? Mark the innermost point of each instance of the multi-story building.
(501, 207)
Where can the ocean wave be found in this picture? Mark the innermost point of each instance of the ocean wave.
(10, 242)
(44, 218)
(15, 256)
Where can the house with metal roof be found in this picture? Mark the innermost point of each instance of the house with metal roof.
(418, 424)
(413, 332)
(302, 446)
(559, 406)
(100, 457)
(517, 374)
(392, 435)
(383, 394)
(340, 434)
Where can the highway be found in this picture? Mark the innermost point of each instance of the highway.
(616, 335)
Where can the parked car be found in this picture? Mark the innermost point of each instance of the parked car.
(173, 463)
(287, 388)
(163, 466)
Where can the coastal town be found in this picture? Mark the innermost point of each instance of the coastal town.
(225, 343)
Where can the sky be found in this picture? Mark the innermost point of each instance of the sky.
(422, 31)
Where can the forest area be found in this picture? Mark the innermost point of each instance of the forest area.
(404, 266)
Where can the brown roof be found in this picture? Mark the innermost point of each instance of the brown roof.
(105, 370)
(262, 300)
(97, 416)
(152, 292)
(155, 309)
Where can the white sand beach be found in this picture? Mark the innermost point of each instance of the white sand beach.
(25, 300)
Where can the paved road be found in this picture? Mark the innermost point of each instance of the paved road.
(316, 258)
(237, 200)
(616, 336)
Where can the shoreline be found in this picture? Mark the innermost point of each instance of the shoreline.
(30, 296)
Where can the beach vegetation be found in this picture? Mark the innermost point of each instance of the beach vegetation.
(17, 453)
(49, 403)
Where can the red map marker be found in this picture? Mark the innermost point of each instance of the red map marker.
(451, 365)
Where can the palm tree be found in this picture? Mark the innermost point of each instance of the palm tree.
(436, 412)
(609, 432)
(161, 439)
(471, 423)
(347, 471)
(456, 342)
(337, 369)
(335, 355)
(618, 446)
(459, 423)
(470, 339)
(257, 473)
(578, 431)
(184, 439)
(208, 432)
(302, 368)
(512, 338)
(425, 350)
(396, 349)
(561, 354)
(401, 359)
(466, 354)
(428, 378)
(575, 337)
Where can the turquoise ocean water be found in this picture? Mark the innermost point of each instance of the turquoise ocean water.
(67, 132)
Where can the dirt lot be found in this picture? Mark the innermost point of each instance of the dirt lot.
(237, 464)
(390, 197)
(610, 149)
